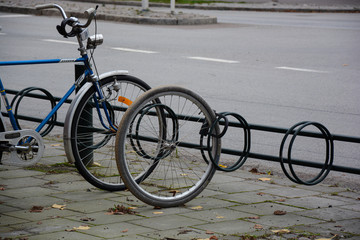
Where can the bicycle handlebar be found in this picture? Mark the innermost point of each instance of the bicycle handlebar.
(91, 12)
(51, 5)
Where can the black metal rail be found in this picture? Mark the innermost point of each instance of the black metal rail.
(253, 127)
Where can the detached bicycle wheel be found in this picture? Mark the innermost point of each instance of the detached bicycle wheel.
(91, 141)
(158, 148)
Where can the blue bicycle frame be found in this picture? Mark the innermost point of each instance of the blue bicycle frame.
(87, 74)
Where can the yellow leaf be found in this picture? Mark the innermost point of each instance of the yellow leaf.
(223, 166)
(258, 226)
(56, 145)
(96, 164)
(57, 206)
(220, 217)
(158, 213)
(327, 238)
(264, 179)
(197, 208)
(281, 231)
(82, 228)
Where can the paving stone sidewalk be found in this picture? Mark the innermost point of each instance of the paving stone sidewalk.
(234, 206)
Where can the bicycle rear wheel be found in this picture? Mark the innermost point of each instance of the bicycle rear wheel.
(91, 141)
(158, 146)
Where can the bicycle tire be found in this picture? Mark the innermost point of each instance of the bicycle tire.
(92, 145)
(2, 129)
(176, 173)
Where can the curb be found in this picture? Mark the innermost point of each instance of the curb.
(233, 8)
(178, 20)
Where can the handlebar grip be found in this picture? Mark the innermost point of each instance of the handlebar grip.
(91, 12)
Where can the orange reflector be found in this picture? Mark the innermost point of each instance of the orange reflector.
(125, 100)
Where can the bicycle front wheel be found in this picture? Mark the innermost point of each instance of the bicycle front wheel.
(158, 149)
(91, 138)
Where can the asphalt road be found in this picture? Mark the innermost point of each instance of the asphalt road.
(274, 69)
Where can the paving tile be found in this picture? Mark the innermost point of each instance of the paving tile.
(64, 235)
(28, 192)
(150, 211)
(18, 173)
(236, 187)
(266, 208)
(29, 202)
(45, 214)
(210, 202)
(291, 192)
(330, 214)
(22, 182)
(347, 226)
(114, 230)
(181, 233)
(247, 197)
(217, 215)
(47, 226)
(167, 222)
(313, 202)
(95, 205)
(6, 221)
(353, 207)
(83, 194)
(101, 218)
(287, 220)
(228, 227)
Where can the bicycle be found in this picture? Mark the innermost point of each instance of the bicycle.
(92, 118)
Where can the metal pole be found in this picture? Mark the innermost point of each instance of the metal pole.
(86, 153)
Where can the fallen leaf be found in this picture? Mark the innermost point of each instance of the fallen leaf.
(74, 229)
(57, 206)
(174, 192)
(264, 179)
(157, 213)
(56, 145)
(281, 231)
(125, 230)
(258, 226)
(2, 189)
(345, 65)
(261, 193)
(281, 200)
(209, 232)
(220, 217)
(213, 237)
(327, 238)
(279, 212)
(83, 227)
(96, 164)
(197, 208)
(222, 166)
(87, 219)
(120, 210)
(254, 217)
(255, 171)
(37, 209)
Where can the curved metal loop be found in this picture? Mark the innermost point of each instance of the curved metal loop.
(295, 130)
(247, 142)
(163, 112)
(25, 92)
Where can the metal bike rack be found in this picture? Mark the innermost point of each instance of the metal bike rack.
(251, 127)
